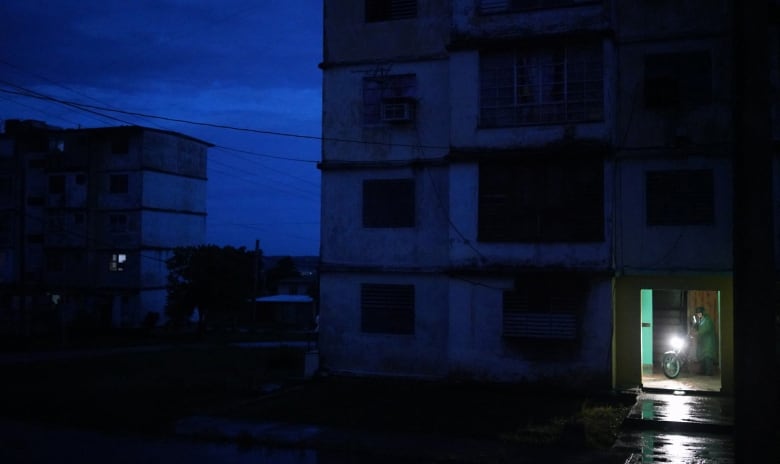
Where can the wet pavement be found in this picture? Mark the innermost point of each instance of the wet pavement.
(678, 426)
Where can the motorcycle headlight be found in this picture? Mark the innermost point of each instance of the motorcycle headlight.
(677, 343)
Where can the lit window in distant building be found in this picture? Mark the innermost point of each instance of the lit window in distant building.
(118, 262)
(555, 83)
(118, 183)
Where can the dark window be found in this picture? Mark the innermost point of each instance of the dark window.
(6, 186)
(388, 203)
(35, 201)
(78, 218)
(387, 10)
(34, 238)
(118, 183)
(504, 6)
(81, 179)
(57, 184)
(678, 80)
(681, 197)
(535, 85)
(117, 223)
(37, 164)
(387, 308)
(120, 145)
(542, 200)
(55, 261)
(389, 98)
(545, 306)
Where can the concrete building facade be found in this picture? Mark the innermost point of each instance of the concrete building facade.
(90, 217)
(524, 190)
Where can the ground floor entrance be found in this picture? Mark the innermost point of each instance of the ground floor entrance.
(650, 311)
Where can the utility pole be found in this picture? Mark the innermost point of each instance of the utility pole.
(254, 282)
(753, 247)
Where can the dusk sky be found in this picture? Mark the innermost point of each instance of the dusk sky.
(245, 64)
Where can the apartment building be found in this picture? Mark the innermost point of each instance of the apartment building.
(88, 218)
(525, 190)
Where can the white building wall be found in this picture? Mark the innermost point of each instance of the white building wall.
(345, 347)
(477, 348)
(691, 248)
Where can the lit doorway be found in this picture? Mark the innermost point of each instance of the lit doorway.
(667, 313)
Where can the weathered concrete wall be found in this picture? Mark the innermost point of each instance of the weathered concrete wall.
(345, 348)
(357, 40)
(173, 192)
(478, 349)
(692, 248)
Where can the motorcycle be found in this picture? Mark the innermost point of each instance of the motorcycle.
(677, 358)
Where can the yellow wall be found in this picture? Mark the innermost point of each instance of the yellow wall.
(626, 355)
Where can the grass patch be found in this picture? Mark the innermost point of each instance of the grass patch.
(141, 391)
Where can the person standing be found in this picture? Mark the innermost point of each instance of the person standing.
(705, 341)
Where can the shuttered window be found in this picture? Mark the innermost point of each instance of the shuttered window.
(388, 10)
(542, 200)
(680, 197)
(387, 308)
(545, 307)
(505, 6)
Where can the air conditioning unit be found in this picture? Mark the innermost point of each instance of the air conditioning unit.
(397, 111)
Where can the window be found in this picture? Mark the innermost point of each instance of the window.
(388, 10)
(542, 200)
(387, 308)
(388, 203)
(678, 80)
(81, 179)
(681, 197)
(118, 183)
(56, 184)
(554, 84)
(120, 145)
(545, 306)
(117, 223)
(504, 6)
(35, 200)
(55, 261)
(6, 186)
(389, 98)
(118, 262)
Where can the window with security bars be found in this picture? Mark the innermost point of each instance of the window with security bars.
(542, 200)
(507, 6)
(397, 91)
(545, 307)
(559, 83)
(387, 308)
(388, 203)
(389, 10)
(680, 197)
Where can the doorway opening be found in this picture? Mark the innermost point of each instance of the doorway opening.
(668, 313)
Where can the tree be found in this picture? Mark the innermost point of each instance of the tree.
(283, 269)
(210, 278)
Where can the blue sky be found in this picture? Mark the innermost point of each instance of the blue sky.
(246, 64)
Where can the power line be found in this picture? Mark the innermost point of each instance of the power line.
(94, 108)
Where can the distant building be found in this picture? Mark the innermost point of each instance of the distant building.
(525, 190)
(88, 218)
